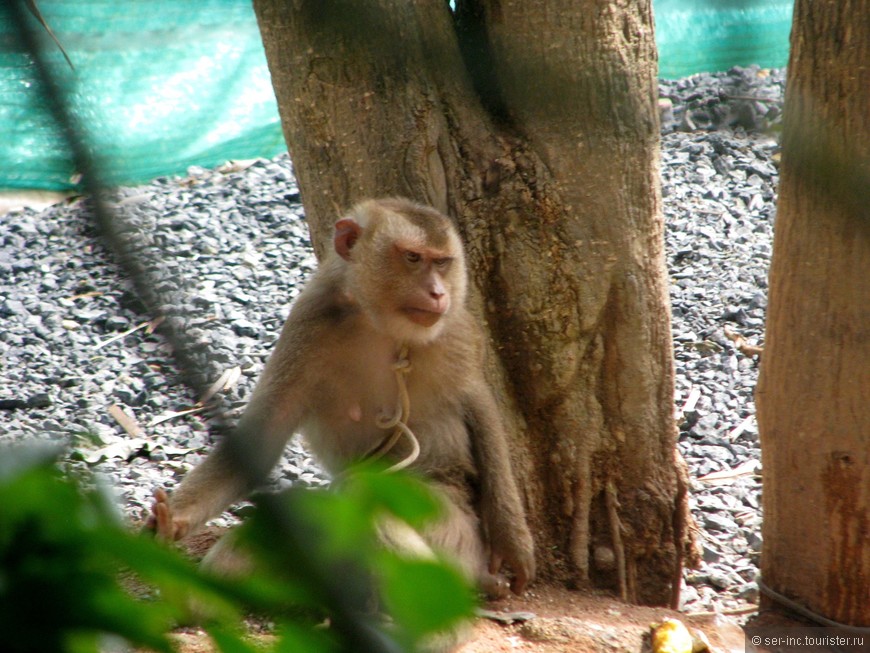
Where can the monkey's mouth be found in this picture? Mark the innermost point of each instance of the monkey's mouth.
(422, 316)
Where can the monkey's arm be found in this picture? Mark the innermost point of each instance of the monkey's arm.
(204, 493)
(236, 466)
(244, 458)
(232, 470)
(501, 510)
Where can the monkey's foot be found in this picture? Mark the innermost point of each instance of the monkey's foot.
(494, 586)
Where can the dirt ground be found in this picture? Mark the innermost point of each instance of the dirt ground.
(575, 622)
(563, 621)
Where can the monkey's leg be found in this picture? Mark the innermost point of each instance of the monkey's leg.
(225, 558)
(458, 534)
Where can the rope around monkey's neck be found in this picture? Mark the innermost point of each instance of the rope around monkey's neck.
(399, 420)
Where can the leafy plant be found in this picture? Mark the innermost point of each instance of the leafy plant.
(60, 551)
(63, 547)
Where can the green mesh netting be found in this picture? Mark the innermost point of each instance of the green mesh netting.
(711, 35)
(165, 84)
(159, 84)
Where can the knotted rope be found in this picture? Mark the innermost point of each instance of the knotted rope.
(399, 420)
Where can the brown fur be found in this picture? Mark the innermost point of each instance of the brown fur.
(330, 377)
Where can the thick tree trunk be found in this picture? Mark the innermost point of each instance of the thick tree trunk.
(814, 389)
(534, 125)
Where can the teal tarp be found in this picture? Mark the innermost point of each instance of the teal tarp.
(165, 84)
(159, 84)
(710, 35)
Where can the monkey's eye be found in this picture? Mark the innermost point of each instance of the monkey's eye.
(412, 257)
(442, 263)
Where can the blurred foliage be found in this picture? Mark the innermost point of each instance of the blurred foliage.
(67, 560)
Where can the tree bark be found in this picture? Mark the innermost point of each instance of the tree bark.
(533, 123)
(814, 389)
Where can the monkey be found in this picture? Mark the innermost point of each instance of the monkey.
(379, 356)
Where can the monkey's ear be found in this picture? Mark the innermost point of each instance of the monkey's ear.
(346, 233)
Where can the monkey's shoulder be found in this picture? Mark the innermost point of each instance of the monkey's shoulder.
(323, 302)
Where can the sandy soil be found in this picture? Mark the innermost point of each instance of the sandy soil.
(564, 620)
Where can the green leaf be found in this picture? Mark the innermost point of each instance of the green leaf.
(424, 596)
(294, 638)
(334, 520)
(82, 642)
(57, 570)
(402, 495)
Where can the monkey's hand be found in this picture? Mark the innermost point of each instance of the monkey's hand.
(512, 544)
(161, 522)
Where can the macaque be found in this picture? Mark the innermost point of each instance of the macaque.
(380, 357)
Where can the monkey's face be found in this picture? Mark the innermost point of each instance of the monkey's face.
(409, 295)
(405, 267)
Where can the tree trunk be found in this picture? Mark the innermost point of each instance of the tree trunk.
(814, 390)
(533, 123)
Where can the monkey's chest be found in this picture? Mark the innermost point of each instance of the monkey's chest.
(358, 399)
(357, 412)
(352, 414)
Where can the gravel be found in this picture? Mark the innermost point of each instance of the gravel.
(228, 251)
